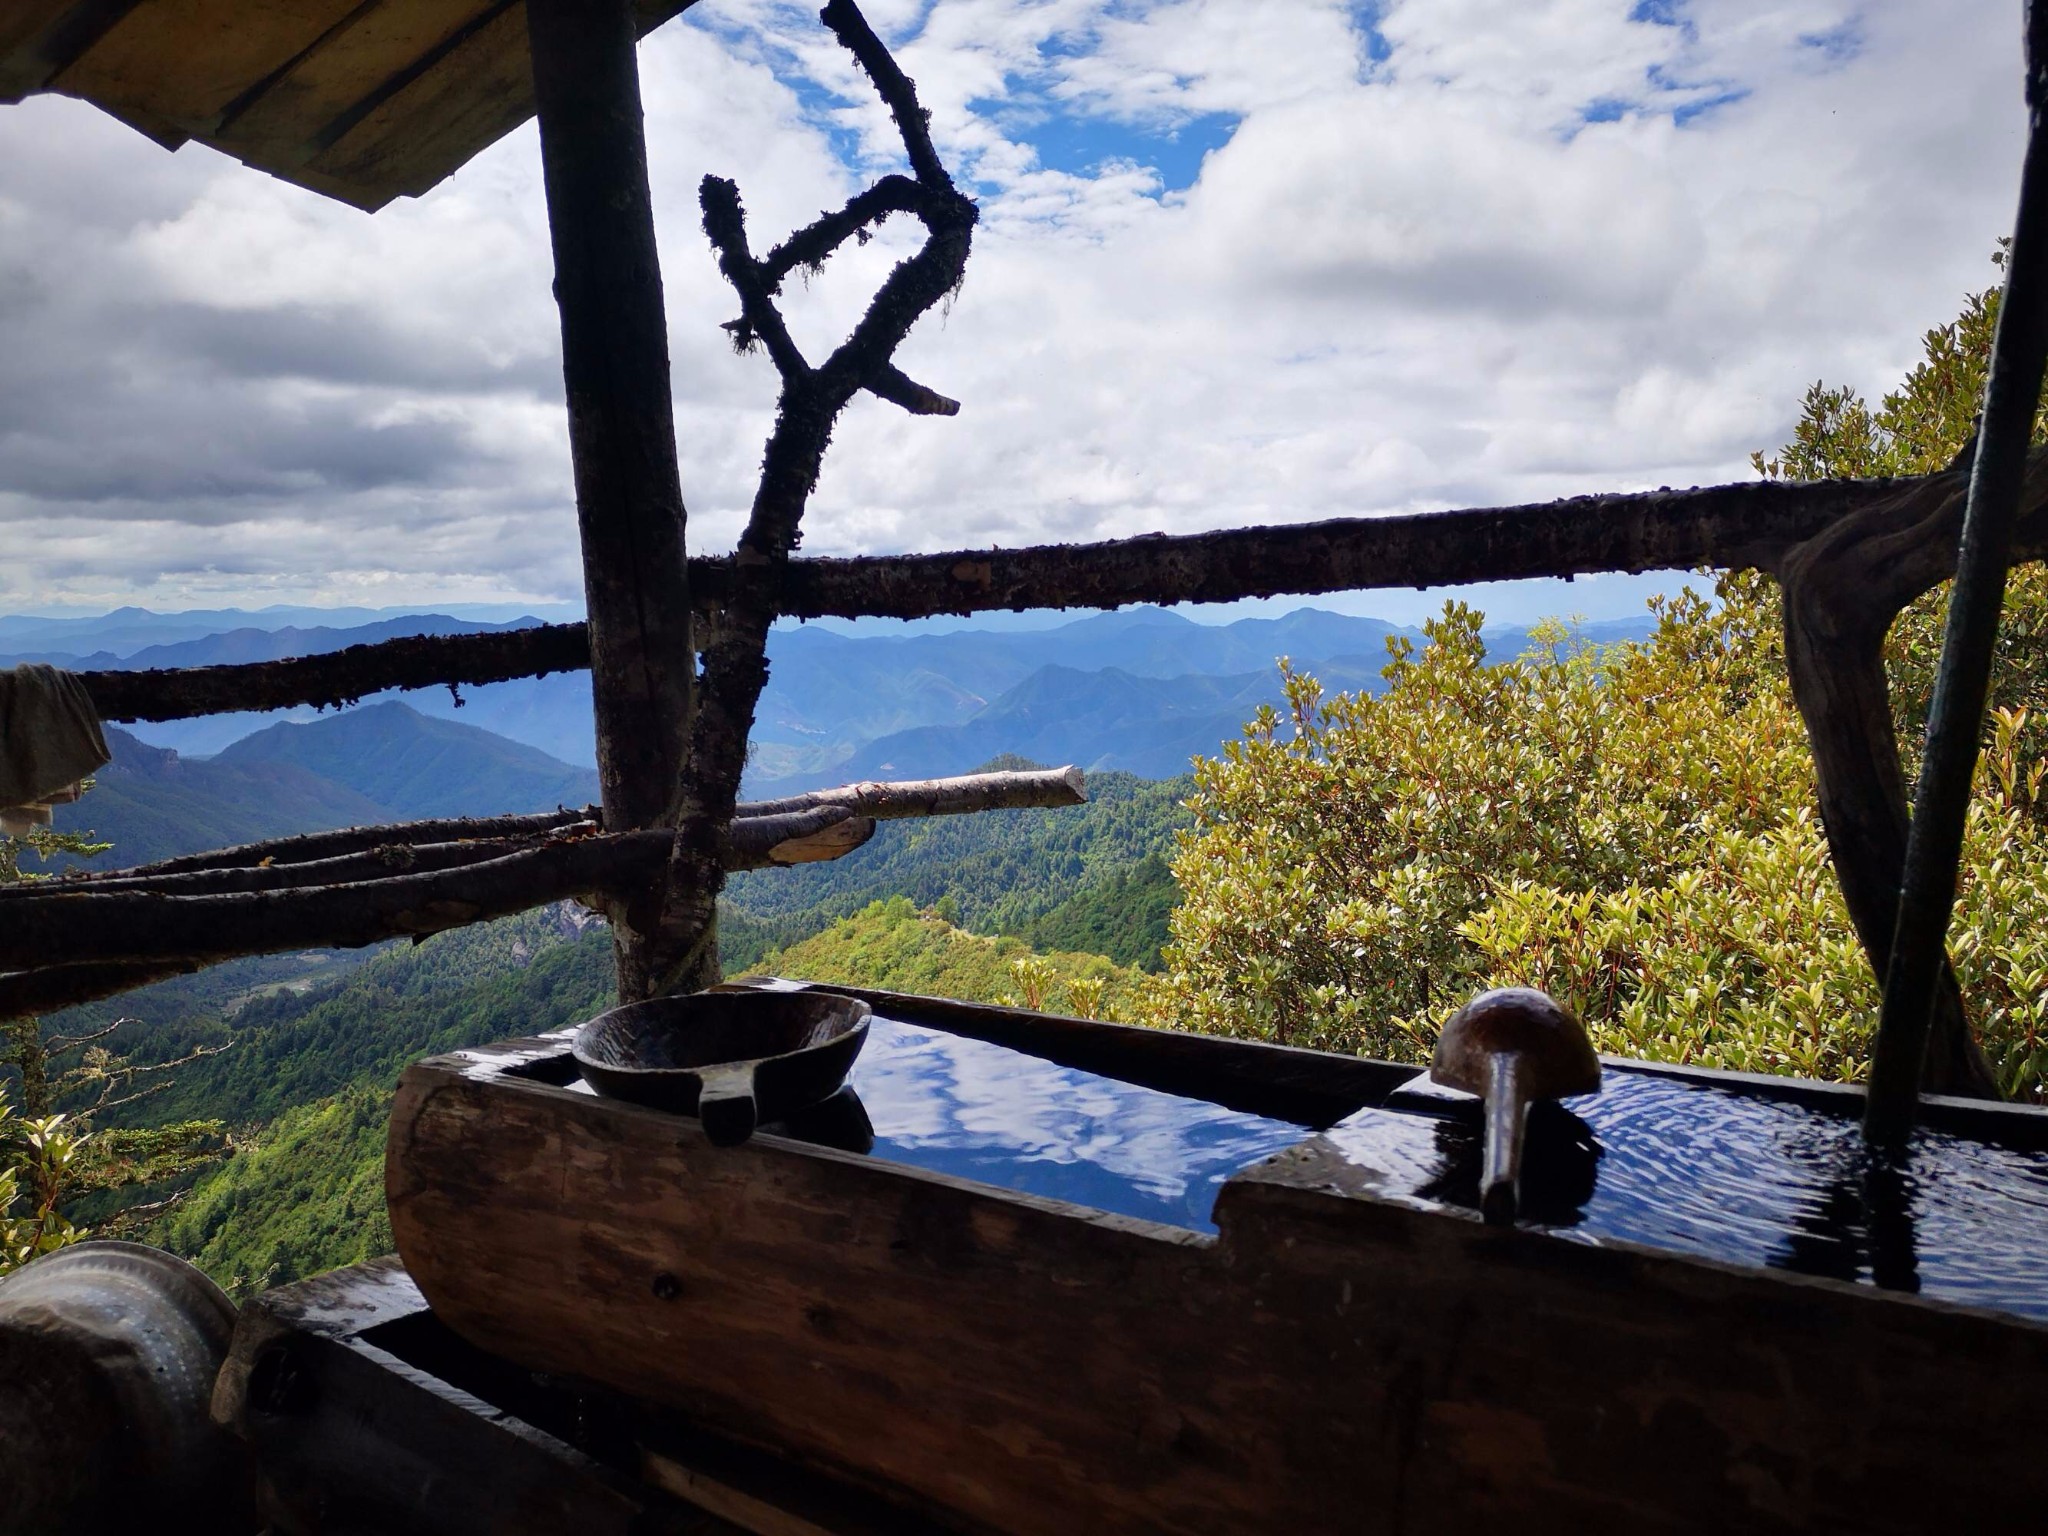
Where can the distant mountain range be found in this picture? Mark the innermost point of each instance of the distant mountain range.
(1141, 690)
(415, 765)
(380, 763)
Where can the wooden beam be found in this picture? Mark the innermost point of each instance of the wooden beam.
(615, 366)
(1722, 525)
(339, 678)
(899, 798)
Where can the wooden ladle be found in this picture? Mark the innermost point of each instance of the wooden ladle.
(1512, 1046)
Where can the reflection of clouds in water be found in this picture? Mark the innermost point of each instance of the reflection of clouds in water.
(1399, 1150)
(1151, 1154)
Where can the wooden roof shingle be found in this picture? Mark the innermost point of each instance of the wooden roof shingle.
(361, 100)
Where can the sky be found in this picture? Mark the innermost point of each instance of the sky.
(1237, 263)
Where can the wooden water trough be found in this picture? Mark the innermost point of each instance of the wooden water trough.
(1346, 1351)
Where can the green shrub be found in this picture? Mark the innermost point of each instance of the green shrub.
(1630, 828)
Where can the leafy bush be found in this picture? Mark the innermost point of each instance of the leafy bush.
(1629, 828)
(36, 1158)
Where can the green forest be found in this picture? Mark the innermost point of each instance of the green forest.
(1629, 826)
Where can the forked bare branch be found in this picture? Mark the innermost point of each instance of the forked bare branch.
(812, 398)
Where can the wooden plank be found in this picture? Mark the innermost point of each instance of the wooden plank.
(1330, 1362)
(22, 21)
(350, 1437)
(407, 138)
(388, 1420)
(184, 62)
(285, 124)
(38, 38)
(465, 101)
(362, 100)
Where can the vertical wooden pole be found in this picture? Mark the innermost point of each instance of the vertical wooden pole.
(1955, 718)
(629, 503)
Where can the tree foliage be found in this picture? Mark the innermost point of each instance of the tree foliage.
(1631, 828)
(894, 945)
(1057, 878)
(52, 1159)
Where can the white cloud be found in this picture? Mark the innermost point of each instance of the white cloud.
(1454, 252)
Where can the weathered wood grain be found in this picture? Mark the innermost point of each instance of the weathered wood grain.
(386, 1421)
(361, 100)
(24, 66)
(897, 798)
(186, 61)
(290, 116)
(1329, 1363)
(1843, 588)
(350, 1438)
(471, 92)
(615, 368)
(341, 677)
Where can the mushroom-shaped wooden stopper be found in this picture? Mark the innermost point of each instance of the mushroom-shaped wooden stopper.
(1512, 1046)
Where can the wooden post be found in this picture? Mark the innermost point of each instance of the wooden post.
(629, 504)
(1955, 718)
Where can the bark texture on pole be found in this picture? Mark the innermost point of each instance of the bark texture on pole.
(1918, 977)
(1842, 590)
(615, 366)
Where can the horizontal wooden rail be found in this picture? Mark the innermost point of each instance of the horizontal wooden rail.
(339, 677)
(81, 937)
(1723, 525)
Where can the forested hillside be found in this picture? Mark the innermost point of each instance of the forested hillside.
(307, 1081)
(417, 766)
(151, 803)
(380, 764)
(894, 946)
(1001, 871)
(1633, 830)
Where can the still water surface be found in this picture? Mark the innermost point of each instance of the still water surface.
(980, 1111)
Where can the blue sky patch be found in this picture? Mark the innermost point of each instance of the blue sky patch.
(1365, 20)
(1693, 110)
(1662, 13)
(1839, 44)
(1082, 145)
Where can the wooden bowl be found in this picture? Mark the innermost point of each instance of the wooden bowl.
(732, 1059)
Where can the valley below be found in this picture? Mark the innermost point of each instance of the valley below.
(297, 1055)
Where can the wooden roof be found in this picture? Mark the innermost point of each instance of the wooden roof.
(362, 100)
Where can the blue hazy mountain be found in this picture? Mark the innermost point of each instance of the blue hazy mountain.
(1139, 689)
(245, 643)
(378, 764)
(127, 630)
(152, 804)
(415, 765)
(1103, 720)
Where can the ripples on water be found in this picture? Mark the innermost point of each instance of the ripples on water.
(985, 1112)
(1749, 1180)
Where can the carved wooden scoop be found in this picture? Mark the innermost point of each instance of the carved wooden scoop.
(1512, 1046)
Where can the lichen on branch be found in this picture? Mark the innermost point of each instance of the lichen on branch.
(735, 670)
